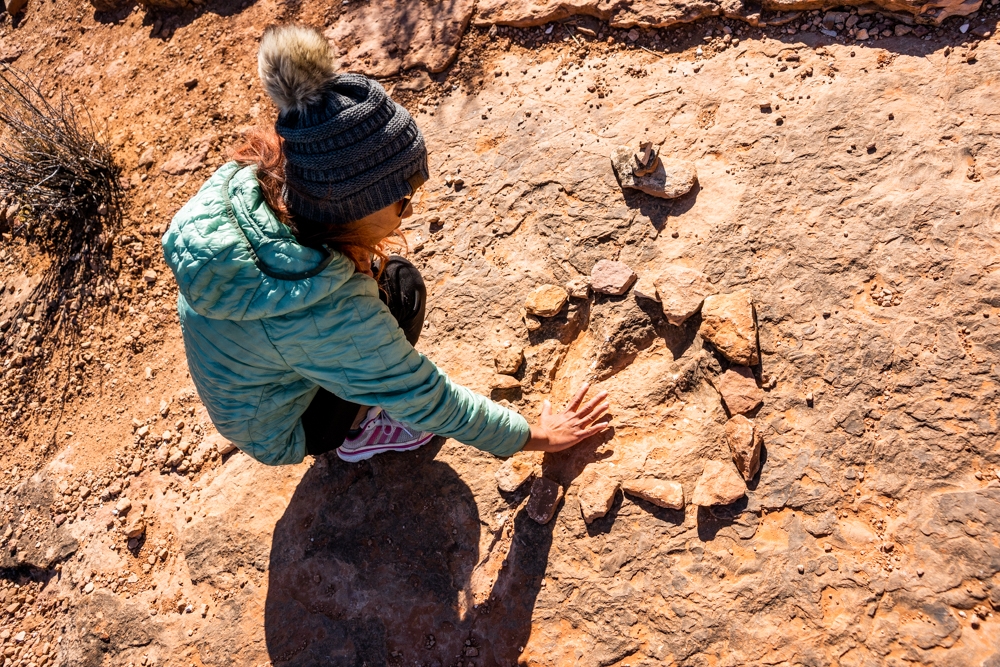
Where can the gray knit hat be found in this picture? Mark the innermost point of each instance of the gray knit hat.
(349, 149)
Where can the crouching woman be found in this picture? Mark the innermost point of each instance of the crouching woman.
(298, 326)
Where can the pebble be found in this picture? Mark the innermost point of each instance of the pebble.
(964, 28)
(579, 287)
(149, 275)
(546, 300)
(658, 492)
(508, 360)
(739, 390)
(544, 499)
(611, 277)
(744, 442)
(801, 568)
(681, 291)
(89, 588)
(861, 35)
(596, 495)
(123, 506)
(719, 484)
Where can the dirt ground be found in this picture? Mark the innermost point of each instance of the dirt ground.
(851, 185)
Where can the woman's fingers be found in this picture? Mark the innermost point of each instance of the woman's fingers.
(578, 399)
(592, 404)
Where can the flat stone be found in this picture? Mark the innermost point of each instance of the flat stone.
(739, 390)
(504, 382)
(659, 492)
(515, 471)
(681, 292)
(744, 442)
(181, 162)
(671, 178)
(508, 360)
(727, 321)
(544, 499)
(546, 300)
(719, 484)
(597, 494)
(645, 288)
(611, 277)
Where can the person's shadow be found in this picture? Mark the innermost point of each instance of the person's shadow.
(371, 564)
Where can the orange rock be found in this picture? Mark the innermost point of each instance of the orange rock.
(727, 321)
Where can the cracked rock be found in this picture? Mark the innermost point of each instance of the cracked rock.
(719, 484)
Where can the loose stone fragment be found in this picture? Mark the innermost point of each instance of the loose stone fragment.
(504, 382)
(149, 276)
(719, 484)
(727, 322)
(744, 442)
(546, 300)
(645, 288)
(514, 472)
(508, 360)
(610, 277)
(681, 292)
(669, 180)
(579, 287)
(597, 494)
(739, 390)
(545, 497)
(123, 506)
(659, 492)
(135, 527)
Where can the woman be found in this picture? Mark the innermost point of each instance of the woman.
(297, 339)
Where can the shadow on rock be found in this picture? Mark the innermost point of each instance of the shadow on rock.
(371, 564)
(659, 210)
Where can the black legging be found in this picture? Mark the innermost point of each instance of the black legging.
(328, 418)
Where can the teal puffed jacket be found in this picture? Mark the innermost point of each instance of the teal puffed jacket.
(267, 321)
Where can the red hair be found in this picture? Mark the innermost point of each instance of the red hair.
(261, 148)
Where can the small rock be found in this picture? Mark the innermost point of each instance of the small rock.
(123, 506)
(660, 493)
(610, 277)
(136, 467)
(681, 292)
(508, 361)
(545, 497)
(739, 390)
(221, 444)
(645, 288)
(149, 275)
(670, 179)
(744, 442)
(515, 471)
(719, 484)
(861, 35)
(633, 35)
(597, 494)
(801, 568)
(964, 28)
(579, 287)
(135, 527)
(727, 321)
(902, 29)
(546, 300)
(89, 588)
(504, 382)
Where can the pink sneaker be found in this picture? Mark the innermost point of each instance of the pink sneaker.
(381, 433)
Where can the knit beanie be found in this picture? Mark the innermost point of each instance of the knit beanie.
(349, 149)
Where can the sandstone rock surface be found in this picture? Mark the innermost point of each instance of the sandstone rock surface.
(727, 321)
(546, 300)
(719, 484)
(739, 390)
(515, 471)
(681, 291)
(610, 277)
(659, 492)
(672, 178)
(596, 494)
(744, 440)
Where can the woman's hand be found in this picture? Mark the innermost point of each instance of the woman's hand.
(556, 432)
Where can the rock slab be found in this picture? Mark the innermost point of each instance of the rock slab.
(670, 179)
(744, 442)
(508, 360)
(739, 390)
(546, 300)
(681, 291)
(727, 321)
(719, 484)
(659, 492)
(610, 277)
(544, 499)
(515, 471)
(597, 494)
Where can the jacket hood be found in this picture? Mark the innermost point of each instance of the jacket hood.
(234, 260)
